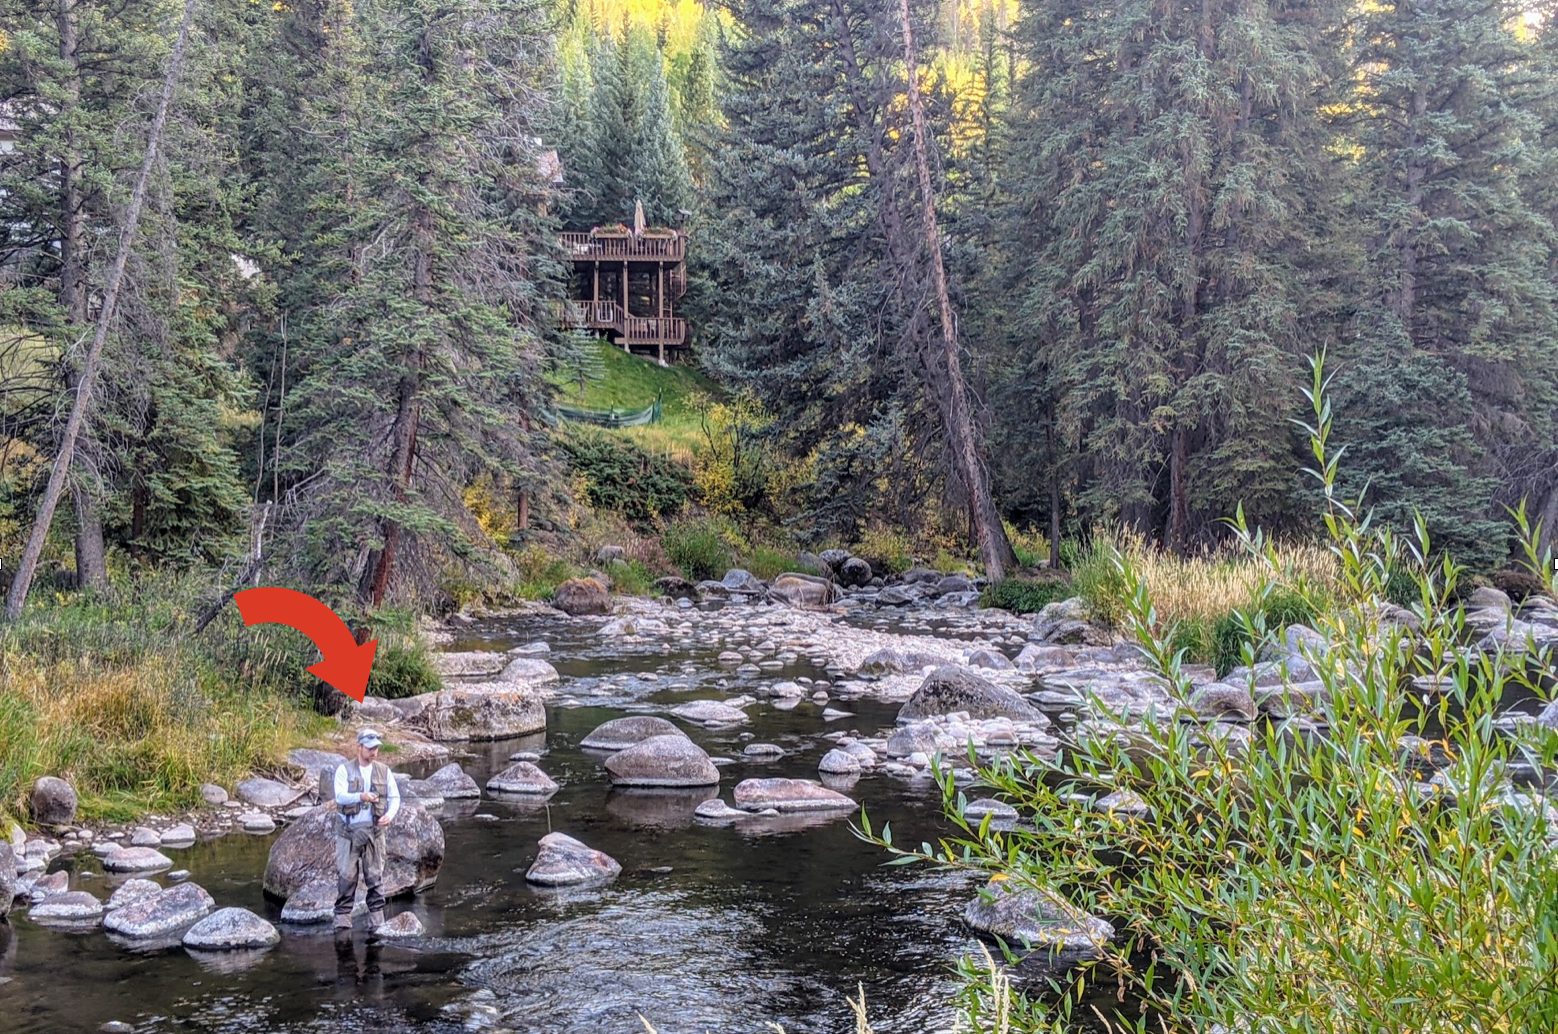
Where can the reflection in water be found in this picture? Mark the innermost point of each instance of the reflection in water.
(357, 969)
(229, 963)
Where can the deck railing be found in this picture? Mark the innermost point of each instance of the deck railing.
(653, 330)
(610, 246)
(591, 315)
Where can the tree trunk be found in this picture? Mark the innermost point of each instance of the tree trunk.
(963, 436)
(91, 570)
(403, 434)
(1054, 495)
(44, 518)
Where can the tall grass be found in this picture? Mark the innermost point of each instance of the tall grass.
(111, 694)
(1301, 880)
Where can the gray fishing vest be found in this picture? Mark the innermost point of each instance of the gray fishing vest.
(378, 782)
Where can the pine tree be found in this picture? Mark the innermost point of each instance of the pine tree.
(1171, 177)
(1459, 269)
(573, 127)
(660, 176)
(420, 368)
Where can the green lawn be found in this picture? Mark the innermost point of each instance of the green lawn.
(623, 381)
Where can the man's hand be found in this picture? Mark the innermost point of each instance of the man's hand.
(369, 797)
(385, 821)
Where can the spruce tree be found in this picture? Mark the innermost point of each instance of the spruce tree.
(421, 367)
(1171, 179)
(1460, 266)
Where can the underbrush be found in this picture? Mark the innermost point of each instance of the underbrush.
(1026, 595)
(112, 694)
(1301, 877)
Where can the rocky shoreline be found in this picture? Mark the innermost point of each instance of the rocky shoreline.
(967, 678)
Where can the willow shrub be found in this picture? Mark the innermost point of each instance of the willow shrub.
(1302, 879)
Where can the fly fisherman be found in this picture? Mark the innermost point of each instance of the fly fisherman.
(367, 798)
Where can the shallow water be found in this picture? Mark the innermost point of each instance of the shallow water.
(709, 928)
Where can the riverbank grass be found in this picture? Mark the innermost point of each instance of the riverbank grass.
(112, 695)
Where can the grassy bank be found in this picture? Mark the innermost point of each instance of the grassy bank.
(113, 695)
(610, 378)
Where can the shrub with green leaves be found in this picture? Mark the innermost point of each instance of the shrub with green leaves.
(1025, 595)
(700, 547)
(1296, 876)
(625, 478)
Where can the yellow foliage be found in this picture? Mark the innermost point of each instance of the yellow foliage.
(493, 510)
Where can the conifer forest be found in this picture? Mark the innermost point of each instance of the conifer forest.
(1109, 448)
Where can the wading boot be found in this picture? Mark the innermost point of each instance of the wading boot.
(343, 923)
(375, 920)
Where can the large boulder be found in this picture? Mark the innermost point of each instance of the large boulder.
(267, 793)
(482, 711)
(160, 914)
(621, 733)
(950, 689)
(73, 906)
(788, 795)
(1066, 622)
(7, 878)
(131, 891)
(53, 801)
(529, 671)
(565, 862)
(804, 590)
(738, 581)
(579, 596)
(231, 929)
(888, 661)
(465, 664)
(662, 761)
(523, 778)
(854, 573)
(1057, 931)
(452, 783)
(136, 859)
(709, 712)
(305, 852)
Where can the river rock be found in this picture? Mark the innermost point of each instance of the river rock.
(762, 750)
(709, 712)
(453, 783)
(888, 661)
(482, 711)
(1042, 657)
(267, 793)
(950, 688)
(738, 581)
(131, 891)
(804, 590)
(74, 906)
(992, 659)
(854, 573)
(213, 795)
(8, 878)
(257, 822)
(230, 929)
(466, 664)
(529, 671)
(406, 924)
(839, 762)
(162, 913)
(136, 859)
(1123, 802)
(1065, 622)
(621, 733)
(1220, 700)
(182, 835)
(305, 852)
(143, 837)
(1488, 598)
(999, 811)
(315, 903)
(311, 760)
(565, 862)
(45, 887)
(579, 596)
(716, 810)
(671, 760)
(788, 795)
(53, 801)
(1038, 919)
(522, 777)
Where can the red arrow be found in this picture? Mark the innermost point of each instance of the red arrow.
(343, 663)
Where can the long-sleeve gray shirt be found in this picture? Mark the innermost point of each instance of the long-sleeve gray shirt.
(344, 797)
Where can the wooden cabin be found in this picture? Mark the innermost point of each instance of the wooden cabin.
(626, 284)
